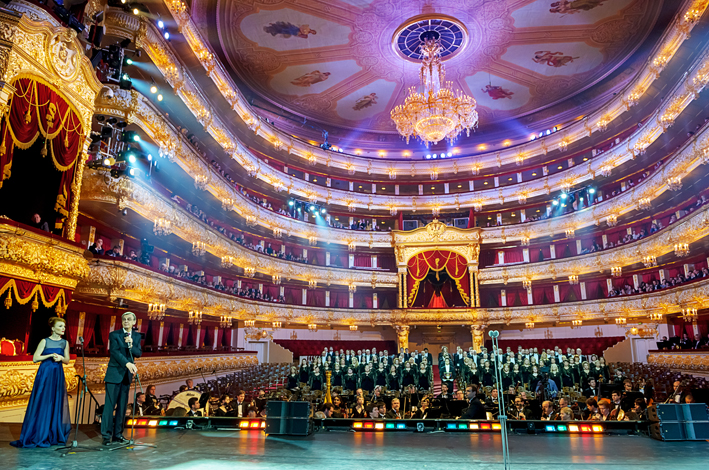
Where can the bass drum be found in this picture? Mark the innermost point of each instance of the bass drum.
(180, 404)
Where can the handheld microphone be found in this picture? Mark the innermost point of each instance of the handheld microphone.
(81, 339)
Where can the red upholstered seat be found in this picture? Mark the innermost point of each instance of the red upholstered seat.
(587, 345)
(19, 347)
(7, 347)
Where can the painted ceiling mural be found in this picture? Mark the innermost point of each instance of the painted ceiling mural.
(335, 61)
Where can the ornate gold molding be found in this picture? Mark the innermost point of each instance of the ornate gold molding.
(17, 379)
(437, 236)
(133, 194)
(691, 228)
(673, 38)
(170, 65)
(160, 369)
(41, 47)
(113, 279)
(696, 361)
(45, 260)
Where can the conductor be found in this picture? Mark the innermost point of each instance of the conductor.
(124, 347)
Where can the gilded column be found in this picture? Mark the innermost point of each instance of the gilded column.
(400, 304)
(478, 332)
(406, 292)
(477, 291)
(8, 27)
(402, 336)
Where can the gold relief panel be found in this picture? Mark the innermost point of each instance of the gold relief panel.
(110, 279)
(17, 379)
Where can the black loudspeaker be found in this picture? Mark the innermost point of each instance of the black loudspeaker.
(685, 422)
(288, 418)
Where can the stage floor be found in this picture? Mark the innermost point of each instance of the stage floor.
(222, 450)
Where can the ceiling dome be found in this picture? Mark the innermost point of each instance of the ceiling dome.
(342, 66)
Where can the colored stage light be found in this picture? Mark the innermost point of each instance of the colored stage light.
(462, 426)
(153, 422)
(263, 424)
(451, 426)
(585, 428)
(550, 428)
(255, 424)
(573, 428)
(161, 25)
(244, 424)
(153, 89)
(597, 428)
(173, 423)
(357, 425)
(474, 426)
(496, 426)
(390, 426)
(400, 426)
(560, 427)
(129, 422)
(368, 425)
(160, 97)
(142, 422)
(485, 426)
(379, 426)
(163, 422)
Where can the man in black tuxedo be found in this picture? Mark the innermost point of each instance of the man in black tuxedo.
(476, 410)
(193, 403)
(592, 390)
(124, 347)
(428, 356)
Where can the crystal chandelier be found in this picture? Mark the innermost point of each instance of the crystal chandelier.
(353, 327)
(438, 113)
(225, 321)
(199, 248)
(616, 271)
(681, 250)
(162, 226)
(156, 311)
(194, 317)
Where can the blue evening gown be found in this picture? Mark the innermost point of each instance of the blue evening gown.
(47, 420)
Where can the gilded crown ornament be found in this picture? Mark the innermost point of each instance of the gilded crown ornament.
(439, 112)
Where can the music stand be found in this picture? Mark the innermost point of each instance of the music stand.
(74, 445)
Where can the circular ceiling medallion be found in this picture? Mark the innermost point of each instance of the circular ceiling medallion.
(450, 32)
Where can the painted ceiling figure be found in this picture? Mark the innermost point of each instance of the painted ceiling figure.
(287, 30)
(365, 102)
(553, 59)
(311, 78)
(575, 6)
(496, 92)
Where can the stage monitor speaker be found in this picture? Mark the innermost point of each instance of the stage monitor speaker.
(288, 418)
(685, 422)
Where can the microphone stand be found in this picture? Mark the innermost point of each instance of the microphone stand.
(70, 448)
(501, 402)
(131, 444)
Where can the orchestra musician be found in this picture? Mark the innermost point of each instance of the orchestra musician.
(239, 406)
(224, 408)
(476, 410)
(153, 407)
(548, 413)
(520, 411)
(358, 411)
(592, 413)
(394, 413)
(193, 403)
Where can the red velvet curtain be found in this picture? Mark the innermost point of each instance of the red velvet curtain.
(36, 109)
(454, 264)
(363, 261)
(202, 335)
(72, 327)
(105, 327)
(89, 324)
(220, 337)
(513, 256)
(155, 332)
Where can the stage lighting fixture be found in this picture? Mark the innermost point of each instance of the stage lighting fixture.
(130, 136)
(167, 35)
(591, 191)
(555, 202)
(131, 158)
(125, 212)
(136, 11)
(153, 89)
(161, 25)
(290, 203)
(312, 208)
(322, 211)
(150, 158)
(131, 172)
(129, 61)
(563, 196)
(100, 118)
(159, 97)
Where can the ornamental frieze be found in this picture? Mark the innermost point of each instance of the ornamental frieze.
(200, 106)
(160, 369)
(17, 379)
(140, 198)
(141, 111)
(661, 55)
(46, 260)
(117, 279)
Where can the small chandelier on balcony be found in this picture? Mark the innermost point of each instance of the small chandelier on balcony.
(527, 284)
(573, 279)
(156, 311)
(312, 283)
(525, 241)
(617, 271)
(194, 317)
(225, 321)
(438, 113)
(576, 322)
(621, 321)
(276, 278)
(277, 232)
(612, 220)
(529, 325)
(656, 316)
(353, 327)
(313, 326)
(249, 323)
(674, 183)
(681, 250)
(276, 325)
(352, 288)
(603, 123)
(162, 227)
(649, 261)
(249, 271)
(436, 211)
(689, 314)
(199, 248)
(227, 261)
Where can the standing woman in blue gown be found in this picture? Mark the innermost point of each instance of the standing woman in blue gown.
(47, 420)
